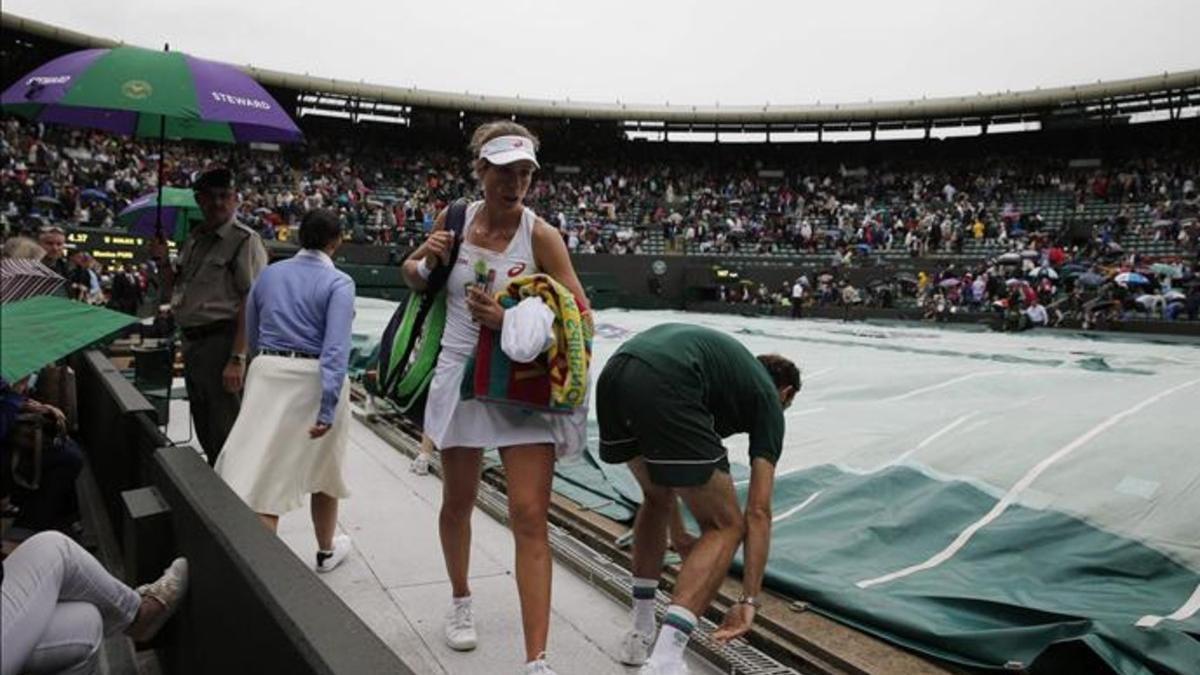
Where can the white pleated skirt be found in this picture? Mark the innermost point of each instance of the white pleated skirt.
(268, 459)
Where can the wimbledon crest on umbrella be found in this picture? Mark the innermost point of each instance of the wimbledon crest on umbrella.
(137, 89)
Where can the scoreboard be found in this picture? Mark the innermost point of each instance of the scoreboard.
(109, 246)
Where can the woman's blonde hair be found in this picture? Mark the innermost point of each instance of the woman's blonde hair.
(23, 248)
(489, 130)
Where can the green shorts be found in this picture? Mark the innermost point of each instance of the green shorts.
(642, 414)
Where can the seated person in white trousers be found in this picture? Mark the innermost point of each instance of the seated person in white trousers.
(59, 603)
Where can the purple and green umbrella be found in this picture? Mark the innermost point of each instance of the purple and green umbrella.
(179, 209)
(146, 93)
(142, 92)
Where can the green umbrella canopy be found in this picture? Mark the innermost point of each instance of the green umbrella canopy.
(41, 330)
(130, 90)
(179, 209)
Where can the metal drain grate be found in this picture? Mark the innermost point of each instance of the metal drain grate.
(737, 658)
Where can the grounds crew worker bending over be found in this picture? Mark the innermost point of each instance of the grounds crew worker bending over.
(664, 402)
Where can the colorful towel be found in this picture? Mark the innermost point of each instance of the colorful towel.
(555, 382)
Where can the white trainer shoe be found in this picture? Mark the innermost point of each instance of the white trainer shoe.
(420, 465)
(674, 668)
(168, 590)
(635, 647)
(539, 667)
(460, 628)
(341, 549)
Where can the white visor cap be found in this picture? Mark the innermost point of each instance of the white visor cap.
(508, 149)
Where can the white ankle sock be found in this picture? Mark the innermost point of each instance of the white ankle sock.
(643, 607)
(459, 602)
(677, 629)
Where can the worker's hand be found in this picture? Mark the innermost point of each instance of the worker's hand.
(318, 430)
(484, 308)
(233, 376)
(437, 247)
(736, 624)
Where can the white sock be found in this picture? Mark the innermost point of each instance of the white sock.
(460, 602)
(677, 629)
(643, 604)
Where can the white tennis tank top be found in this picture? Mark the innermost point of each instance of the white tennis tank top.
(461, 333)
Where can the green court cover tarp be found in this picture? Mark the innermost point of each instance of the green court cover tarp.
(977, 497)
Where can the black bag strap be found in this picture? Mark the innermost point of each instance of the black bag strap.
(456, 216)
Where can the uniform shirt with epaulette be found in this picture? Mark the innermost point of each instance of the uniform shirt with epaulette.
(216, 270)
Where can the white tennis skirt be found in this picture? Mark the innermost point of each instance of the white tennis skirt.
(268, 459)
(451, 422)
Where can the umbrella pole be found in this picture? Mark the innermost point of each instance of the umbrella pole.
(162, 160)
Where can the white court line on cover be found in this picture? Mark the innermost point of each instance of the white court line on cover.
(797, 508)
(939, 385)
(1025, 481)
(1185, 612)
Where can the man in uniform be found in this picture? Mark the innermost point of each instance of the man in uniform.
(664, 402)
(217, 265)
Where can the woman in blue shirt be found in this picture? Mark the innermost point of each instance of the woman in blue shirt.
(291, 434)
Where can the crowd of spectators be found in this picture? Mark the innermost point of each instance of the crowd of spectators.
(77, 177)
(1045, 283)
(52, 177)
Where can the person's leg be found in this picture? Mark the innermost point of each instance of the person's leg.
(197, 397)
(269, 521)
(30, 594)
(70, 644)
(679, 538)
(528, 473)
(324, 517)
(214, 409)
(331, 550)
(46, 568)
(714, 505)
(649, 545)
(460, 483)
(223, 406)
(53, 504)
(651, 524)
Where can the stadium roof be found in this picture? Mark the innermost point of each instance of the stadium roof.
(1166, 91)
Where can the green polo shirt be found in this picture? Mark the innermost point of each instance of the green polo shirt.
(728, 380)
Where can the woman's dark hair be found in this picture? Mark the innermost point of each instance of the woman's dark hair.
(783, 372)
(319, 227)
